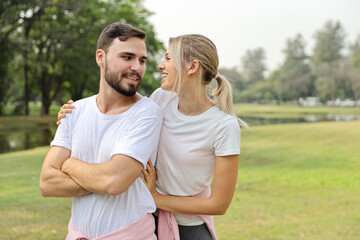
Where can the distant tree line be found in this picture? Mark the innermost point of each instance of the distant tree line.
(332, 70)
(47, 48)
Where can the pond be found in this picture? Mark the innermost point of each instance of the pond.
(255, 121)
(18, 133)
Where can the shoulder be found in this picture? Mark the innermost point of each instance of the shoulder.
(81, 108)
(227, 122)
(161, 97)
(145, 106)
(227, 136)
(84, 102)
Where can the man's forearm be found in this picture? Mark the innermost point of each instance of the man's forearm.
(112, 177)
(83, 175)
(59, 184)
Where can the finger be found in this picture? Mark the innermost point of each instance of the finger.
(61, 116)
(150, 165)
(68, 110)
(68, 106)
(70, 101)
(58, 123)
(142, 178)
(145, 173)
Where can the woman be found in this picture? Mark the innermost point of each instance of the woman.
(200, 140)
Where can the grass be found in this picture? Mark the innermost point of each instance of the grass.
(25, 214)
(296, 181)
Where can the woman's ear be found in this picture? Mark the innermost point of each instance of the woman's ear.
(100, 57)
(194, 67)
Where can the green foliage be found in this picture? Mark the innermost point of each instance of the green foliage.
(56, 43)
(329, 43)
(326, 73)
(328, 60)
(253, 66)
(354, 76)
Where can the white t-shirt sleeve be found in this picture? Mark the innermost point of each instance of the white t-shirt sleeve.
(227, 140)
(62, 135)
(143, 137)
(161, 97)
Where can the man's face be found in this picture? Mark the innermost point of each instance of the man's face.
(125, 64)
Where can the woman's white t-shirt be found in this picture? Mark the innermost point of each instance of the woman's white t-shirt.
(188, 147)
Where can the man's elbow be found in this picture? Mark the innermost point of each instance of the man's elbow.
(44, 189)
(115, 186)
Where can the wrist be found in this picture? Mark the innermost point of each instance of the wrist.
(155, 195)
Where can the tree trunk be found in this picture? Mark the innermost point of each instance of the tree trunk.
(45, 93)
(45, 107)
(26, 85)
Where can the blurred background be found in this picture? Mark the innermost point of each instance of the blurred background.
(295, 71)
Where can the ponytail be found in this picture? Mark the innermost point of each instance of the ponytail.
(223, 98)
(184, 49)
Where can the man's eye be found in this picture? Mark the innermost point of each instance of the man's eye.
(126, 57)
(167, 58)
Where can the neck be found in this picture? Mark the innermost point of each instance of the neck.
(111, 102)
(194, 102)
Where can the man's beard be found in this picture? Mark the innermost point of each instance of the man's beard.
(115, 82)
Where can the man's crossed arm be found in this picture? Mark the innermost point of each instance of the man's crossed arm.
(62, 176)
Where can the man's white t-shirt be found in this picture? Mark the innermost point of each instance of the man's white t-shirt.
(188, 147)
(94, 137)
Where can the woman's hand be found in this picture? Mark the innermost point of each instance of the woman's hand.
(149, 178)
(65, 109)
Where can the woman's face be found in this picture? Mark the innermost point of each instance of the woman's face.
(168, 73)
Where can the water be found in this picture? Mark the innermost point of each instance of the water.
(255, 121)
(27, 135)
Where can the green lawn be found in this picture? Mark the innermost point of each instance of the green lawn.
(296, 181)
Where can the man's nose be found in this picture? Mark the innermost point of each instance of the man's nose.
(136, 65)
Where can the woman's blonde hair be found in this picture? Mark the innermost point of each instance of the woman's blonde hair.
(186, 48)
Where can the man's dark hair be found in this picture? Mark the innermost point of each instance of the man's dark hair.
(118, 30)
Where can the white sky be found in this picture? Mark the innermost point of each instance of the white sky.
(237, 25)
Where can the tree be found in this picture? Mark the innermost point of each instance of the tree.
(294, 78)
(355, 68)
(327, 59)
(253, 66)
(10, 20)
(57, 42)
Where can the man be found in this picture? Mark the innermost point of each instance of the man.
(99, 151)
